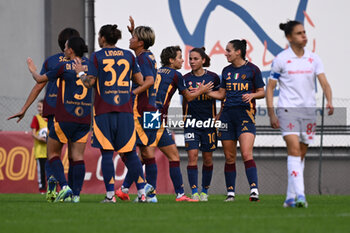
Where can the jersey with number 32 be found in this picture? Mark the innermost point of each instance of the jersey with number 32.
(115, 68)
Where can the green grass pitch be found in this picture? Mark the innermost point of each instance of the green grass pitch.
(31, 213)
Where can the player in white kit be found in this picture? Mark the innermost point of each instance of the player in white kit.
(295, 69)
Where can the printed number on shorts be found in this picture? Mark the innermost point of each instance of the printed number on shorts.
(310, 128)
(211, 137)
(109, 68)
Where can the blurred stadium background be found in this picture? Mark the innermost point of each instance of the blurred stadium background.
(30, 28)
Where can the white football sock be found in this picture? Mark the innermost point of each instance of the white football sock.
(124, 190)
(290, 188)
(303, 164)
(295, 172)
(110, 194)
(231, 194)
(179, 195)
(141, 192)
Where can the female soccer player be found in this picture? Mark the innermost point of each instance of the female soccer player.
(296, 69)
(113, 128)
(241, 84)
(142, 39)
(168, 80)
(203, 108)
(72, 115)
(49, 105)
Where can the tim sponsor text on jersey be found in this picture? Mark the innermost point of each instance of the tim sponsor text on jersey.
(237, 86)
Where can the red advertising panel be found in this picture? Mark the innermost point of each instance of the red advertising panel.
(18, 173)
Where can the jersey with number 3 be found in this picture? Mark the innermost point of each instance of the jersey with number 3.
(115, 67)
(73, 98)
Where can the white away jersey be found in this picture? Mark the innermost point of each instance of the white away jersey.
(296, 77)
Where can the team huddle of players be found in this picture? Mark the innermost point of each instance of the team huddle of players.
(125, 87)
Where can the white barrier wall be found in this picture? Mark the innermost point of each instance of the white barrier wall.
(212, 23)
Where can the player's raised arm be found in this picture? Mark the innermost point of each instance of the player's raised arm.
(132, 25)
(32, 69)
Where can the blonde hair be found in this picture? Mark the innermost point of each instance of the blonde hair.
(145, 34)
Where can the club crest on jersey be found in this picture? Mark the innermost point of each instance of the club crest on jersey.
(236, 76)
(79, 111)
(116, 99)
(244, 76)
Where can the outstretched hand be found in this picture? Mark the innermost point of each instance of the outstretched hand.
(132, 25)
(20, 115)
(31, 65)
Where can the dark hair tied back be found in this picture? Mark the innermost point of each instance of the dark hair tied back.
(111, 33)
(289, 26)
(203, 55)
(240, 45)
(244, 43)
(78, 45)
(282, 26)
